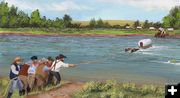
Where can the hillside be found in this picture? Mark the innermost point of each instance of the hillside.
(111, 22)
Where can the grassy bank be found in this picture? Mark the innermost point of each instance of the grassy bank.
(108, 89)
(5, 82)
(75, 31)
(52, 31)
(112, 89)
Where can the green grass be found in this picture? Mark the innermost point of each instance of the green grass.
(4, 83)
(112, 89)
(108, 89)
(73, 31)
(51, 31)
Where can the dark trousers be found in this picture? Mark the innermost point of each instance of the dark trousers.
(56, 75)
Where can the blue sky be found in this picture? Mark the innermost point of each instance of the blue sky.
(152, 10)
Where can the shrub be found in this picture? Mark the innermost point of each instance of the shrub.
(92, 87)
(109, 84)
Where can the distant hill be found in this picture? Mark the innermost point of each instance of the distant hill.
(111, 22)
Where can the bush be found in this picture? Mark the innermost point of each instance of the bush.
(108, 85)
(111, 89)
(92, 87)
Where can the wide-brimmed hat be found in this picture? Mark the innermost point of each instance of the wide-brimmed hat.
(62, 56)
(50, 58)
(18, 59)
(34, 58)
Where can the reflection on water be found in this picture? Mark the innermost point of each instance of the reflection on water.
(99, 58)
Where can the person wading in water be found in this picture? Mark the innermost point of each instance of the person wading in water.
(56, 66)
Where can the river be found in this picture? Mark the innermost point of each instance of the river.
(99, 58)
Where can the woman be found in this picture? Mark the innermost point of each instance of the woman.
(13, 75)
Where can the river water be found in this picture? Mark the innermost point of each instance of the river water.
(99, 58)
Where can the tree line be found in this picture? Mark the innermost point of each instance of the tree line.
(173, 18)
(11, 17)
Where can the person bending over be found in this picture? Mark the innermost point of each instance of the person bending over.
(56, 66)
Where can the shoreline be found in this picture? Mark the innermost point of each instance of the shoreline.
(78, 35)
(69, 34)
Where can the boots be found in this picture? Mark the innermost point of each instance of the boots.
(20, 93)
(24, 92)
(9, 95)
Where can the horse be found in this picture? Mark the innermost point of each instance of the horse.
(23, 76)
(41, 75)
(39, 80)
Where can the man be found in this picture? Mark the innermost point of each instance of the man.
(32, 71)
(50, 61)
(56, 66)
(13, 75)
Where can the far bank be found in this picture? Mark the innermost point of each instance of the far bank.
(81, 32)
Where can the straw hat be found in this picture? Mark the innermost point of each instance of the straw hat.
(18, 59)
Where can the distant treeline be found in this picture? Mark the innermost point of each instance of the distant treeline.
(101, 24)
(11, 17)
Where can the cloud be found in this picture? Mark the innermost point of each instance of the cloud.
(148, 5)
(22, 4)
(67, 6)
(63, 6)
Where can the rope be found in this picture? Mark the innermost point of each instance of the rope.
(7, 88)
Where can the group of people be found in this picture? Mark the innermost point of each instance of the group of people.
(35, 73)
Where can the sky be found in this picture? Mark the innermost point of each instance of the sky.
(153, 10)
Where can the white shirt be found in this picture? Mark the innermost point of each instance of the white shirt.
(59, 64)
(13, 69)
(32, 67)
(32, 70)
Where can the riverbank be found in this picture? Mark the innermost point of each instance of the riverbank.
(80, 32)
(92, 89)
(73, 32)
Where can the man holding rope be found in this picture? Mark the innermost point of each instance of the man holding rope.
(15, 81)
(56, 66)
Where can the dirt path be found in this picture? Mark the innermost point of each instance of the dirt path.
(63, 92)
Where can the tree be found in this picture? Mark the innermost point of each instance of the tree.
(146, 24)
(35, 20)
(172, 20)
(58, 23)
(4, 11)
(100, 23)
(23, 19)
(44, 22)
(107, 25)
(92, 23)
(157, 25)
(49, 23)
(136, 23)
(13, 16)
(67, 20)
